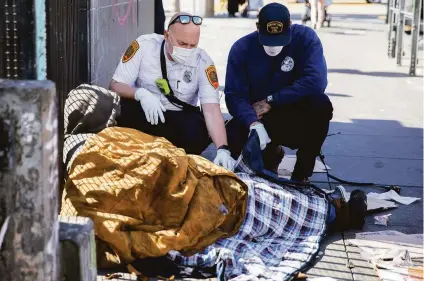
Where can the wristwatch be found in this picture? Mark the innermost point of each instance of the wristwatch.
(223, 147)
(269, 99)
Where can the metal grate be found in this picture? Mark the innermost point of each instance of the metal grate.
(397, 16)
(67, 45)
(67, 51)
(11, 46)
(17, 40)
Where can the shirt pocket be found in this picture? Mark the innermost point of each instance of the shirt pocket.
(187, 85)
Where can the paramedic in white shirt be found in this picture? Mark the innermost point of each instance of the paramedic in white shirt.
(192, 77)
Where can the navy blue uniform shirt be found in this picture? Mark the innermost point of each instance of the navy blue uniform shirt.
(299, 70)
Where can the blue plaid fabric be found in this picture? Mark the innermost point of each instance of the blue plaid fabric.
(280, 234)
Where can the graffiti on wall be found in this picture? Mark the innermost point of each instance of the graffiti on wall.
(122, 21)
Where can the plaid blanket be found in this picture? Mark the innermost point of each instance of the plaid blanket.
(280, 234)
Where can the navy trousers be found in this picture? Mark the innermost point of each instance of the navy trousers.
(302, 126)
(184, 129)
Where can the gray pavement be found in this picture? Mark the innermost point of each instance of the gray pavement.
(378, 110)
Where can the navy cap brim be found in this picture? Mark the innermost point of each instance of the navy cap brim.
(275, 40)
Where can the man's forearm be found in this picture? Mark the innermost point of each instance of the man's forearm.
(124, 90)
(241, 110)
(215, 124)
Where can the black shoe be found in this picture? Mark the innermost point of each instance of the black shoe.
(349, 214)
(358, 206)
(339, 200)
(273, 155)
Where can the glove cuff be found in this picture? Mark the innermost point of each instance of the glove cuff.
(256, 126)
(140, 93)
(222, 150)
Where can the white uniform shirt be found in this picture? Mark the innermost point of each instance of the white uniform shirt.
(192, 81)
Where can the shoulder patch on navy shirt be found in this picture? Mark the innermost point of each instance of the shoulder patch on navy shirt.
(130, 52)
(212, 76)
(287, 64)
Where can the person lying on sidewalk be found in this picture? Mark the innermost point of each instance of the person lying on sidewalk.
(275, 83)
(147, 198)
(169, 109)
(283, 226)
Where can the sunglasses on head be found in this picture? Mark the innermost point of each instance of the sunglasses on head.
(184, 19)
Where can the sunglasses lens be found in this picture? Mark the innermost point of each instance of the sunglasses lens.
(184, 19)
(197, 20)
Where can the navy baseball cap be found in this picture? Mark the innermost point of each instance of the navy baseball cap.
(274, 25)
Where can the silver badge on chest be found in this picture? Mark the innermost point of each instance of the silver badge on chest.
(287, 64)
(187, 76)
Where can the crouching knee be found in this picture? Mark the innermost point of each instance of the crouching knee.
(197, 143)
(322, 107)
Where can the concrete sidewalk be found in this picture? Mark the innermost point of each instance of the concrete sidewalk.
(378, 110)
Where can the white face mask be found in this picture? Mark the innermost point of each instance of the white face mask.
(273, 51)
(181, 55)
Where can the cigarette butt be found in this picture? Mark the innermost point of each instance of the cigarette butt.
(416, 272)
(301, 275)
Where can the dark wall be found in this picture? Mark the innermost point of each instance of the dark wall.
(86, 38)
(114, 24)
(67, 44)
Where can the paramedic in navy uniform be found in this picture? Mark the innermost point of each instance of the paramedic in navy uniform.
(275, 83)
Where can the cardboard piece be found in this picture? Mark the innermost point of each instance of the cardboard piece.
(286, 167)
(382, 244)
(403, 274)
(395, 255)
(392, 195)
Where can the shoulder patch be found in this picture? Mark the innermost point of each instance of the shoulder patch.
(130, 52)
(212, 76)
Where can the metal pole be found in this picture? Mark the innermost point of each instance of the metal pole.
(392, 39)
(29, 180)
(177, 6)
(415, 31)
(399, 32)
(387, 11)
(40, 39)
(390, 18)
(210, 8)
